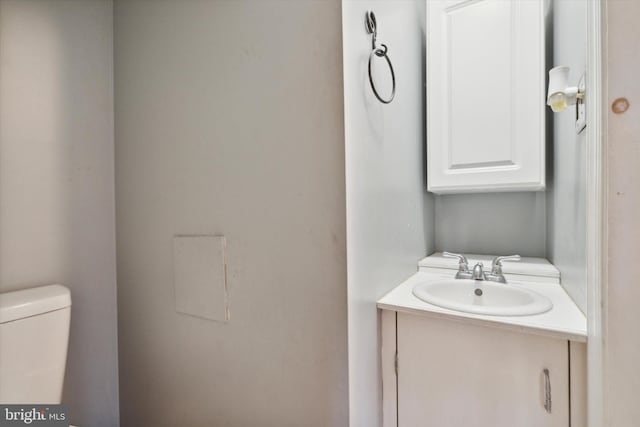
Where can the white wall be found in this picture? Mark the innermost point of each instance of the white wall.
(229, 119)
(389, 213)
(622, 340)
(56, 180)
(566, 193)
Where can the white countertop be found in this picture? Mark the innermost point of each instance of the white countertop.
(564, 320)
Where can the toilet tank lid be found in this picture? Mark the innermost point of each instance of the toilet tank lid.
(17, 305)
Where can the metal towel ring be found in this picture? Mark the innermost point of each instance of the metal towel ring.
(381, 52)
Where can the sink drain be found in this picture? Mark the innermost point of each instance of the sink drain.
(478, 292)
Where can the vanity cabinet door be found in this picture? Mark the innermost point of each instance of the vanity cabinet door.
(485, 95)
(454, 374)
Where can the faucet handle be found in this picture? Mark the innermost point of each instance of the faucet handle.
(463, 263)
(496, 265)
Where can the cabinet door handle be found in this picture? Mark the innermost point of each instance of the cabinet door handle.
(547, 391)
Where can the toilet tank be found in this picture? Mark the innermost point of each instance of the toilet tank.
(34, 334)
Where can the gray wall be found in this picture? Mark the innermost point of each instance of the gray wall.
(501, 223)
(549, 224)
(491, 223)
(389, 212)
(57, 183)
(229, 120)
(566, 195)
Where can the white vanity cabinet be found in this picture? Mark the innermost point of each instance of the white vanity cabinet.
(452, 373)
(450, 368)
(485, 95)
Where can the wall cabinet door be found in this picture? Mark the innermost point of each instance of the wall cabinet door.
(453, 374)
(485, 95)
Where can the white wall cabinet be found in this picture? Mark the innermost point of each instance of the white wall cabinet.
(458, 374)
(485, 95)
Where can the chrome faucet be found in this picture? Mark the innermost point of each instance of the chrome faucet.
(478, 273)
(496, 268)
(463, 265)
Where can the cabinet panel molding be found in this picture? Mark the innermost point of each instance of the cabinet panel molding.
(485, 95)
(455, 374)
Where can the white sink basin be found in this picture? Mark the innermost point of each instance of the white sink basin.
(482, 297)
